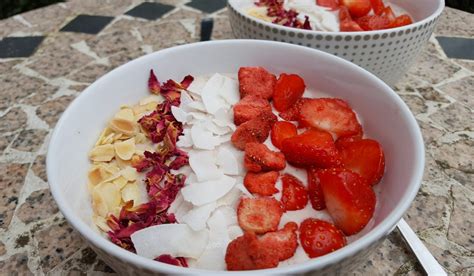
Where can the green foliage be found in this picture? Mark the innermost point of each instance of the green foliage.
(11, 7)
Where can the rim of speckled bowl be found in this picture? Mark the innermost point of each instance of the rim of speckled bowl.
(424, 21)
(370, 238)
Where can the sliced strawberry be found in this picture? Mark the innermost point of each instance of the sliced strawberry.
(400, 21)
(349, 26)
(282, 130)
(373, 22)
(292, 113)
(342, 141)
(319, 237)
(243, 254)
(330, 114)
(249, 108)
(254, 130)
(364, 157)
(259, 215)
(388, 12)
(315, 192)
(282, 243)
(258, 157)
(294, 195)
(332, 4)
(261, 183)
(288, 89)
(357, 8)
(377, 6)
(349, 199)
(311, 148)
(256, 81)
(344, 14)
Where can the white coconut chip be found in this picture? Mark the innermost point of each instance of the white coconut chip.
(178, 240)
(210, 94)
(197, 85)
(203, 163)
(214, 128)
(229, 213)
(231, 198)
(200, 193)
(234, 231)
(202, 138)
(197, 217)
(229, 161)
(185, 100)
(243, 189)
(230, 91)
(224, 118)
(185, 140)
(176, 203)
(213, 256)
(199, 106)
(180, 115)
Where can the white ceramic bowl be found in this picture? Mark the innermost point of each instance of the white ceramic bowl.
(385, 118)
(386, 53)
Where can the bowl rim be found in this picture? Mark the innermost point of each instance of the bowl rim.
(438, 11)
(375, 234)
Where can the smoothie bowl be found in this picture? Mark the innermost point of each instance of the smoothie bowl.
(383, 38)
(219, 169)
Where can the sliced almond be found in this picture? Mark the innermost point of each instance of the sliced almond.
(109, 193)
(108, 139)
(129, 173)
(122, 164)
(131, 192)
(140, 138)
(98, 173)
(99, 204)
(125, 149)
(125, 114)
(120, 182)
(101, 223)
(102, 153)
(123, 126)
(103, 135)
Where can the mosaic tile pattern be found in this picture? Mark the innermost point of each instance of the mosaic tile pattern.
(34, 91)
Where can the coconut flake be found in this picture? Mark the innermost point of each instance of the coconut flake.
(197, 85)
(224, 118)
(197, 217)
(200, 193)
(177, 240)
(213, 256)
(176, 203)
(179, 114)
(230, 91)
(202, 138)
(230, 215)
(212, 127)
(185, 140)
(234, 231)
(229, 160)
(231, 198)
(185, 100)
(210, 94)
(203, 163)
(197, 106)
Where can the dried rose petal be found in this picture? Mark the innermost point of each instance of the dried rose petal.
(168, 259)
(153, 83)
(281, 16)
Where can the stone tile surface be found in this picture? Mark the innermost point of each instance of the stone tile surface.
(37, 207)
(34, 91)
(11, 182)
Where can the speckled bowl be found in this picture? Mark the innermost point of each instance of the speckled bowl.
(80, 125)
(386, 53)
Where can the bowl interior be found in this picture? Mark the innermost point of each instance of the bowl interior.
(419, 9)
(385, 118)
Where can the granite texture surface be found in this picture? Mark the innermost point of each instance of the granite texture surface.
(34, 91)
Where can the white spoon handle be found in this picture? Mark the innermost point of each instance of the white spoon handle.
(429, 263)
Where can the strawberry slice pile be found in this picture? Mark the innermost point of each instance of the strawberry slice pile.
(322, 136)
(365, 15)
